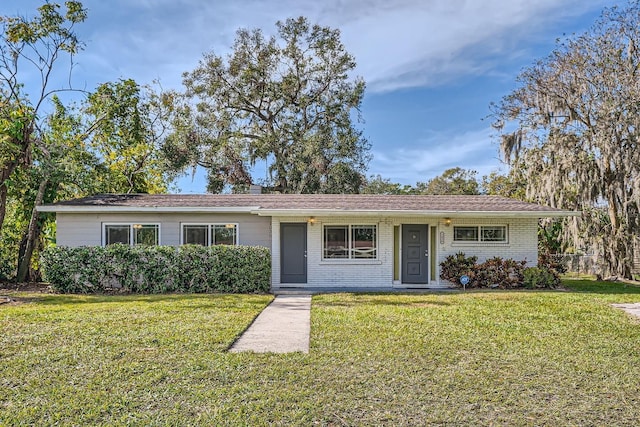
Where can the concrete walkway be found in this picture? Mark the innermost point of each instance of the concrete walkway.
(282, 327)
(632, 308)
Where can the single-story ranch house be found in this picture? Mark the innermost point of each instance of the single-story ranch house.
(318, 240)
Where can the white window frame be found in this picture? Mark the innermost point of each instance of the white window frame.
(210, 226)
(350, 257)
(132, 227)
(479, 240)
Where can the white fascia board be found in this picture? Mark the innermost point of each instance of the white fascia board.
(392, 213)
(146, 209)
(518, 214)
(303, 212)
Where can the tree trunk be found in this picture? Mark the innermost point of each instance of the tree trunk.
(4, 189)
(8, 169)
(3, 203)
(33, 231)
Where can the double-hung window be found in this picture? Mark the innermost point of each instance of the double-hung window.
(482, 233)
(210, 234)
(132, 234)
(350, 242)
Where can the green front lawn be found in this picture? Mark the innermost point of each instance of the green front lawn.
(480, 358)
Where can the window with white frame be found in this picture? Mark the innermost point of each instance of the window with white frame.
(350, 242)
(132, 234)
(480, 233)
(210, 234)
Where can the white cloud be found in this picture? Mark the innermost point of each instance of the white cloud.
(423, 43)
(397, 43)
(436, 153)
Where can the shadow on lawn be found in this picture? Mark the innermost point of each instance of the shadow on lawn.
(601, 287)
(404, 300)
(194, 301)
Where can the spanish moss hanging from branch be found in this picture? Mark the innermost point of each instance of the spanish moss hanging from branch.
(573, 125)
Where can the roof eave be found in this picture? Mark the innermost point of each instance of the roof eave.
(304, 212)
(406, 212)
(146, 209)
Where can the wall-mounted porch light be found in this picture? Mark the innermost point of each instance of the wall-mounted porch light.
(311, 220)
(447, 222)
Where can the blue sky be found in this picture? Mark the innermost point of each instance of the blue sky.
(432, 67)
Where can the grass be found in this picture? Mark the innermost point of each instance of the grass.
(475, 358)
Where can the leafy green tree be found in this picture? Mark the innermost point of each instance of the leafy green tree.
(63, 167)
(287, 101)
(28, 46)
(379, 185)
(452, 181)
(107, 145)
(125, 128)
(573, 121)
(50, 151)
(511, 185)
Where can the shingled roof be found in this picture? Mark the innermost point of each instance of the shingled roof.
(302, 203)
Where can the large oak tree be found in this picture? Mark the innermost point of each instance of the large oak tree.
(288, 102)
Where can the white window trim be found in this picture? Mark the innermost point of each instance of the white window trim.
(375, 260)
(210, 225)
(480, 242)
(131, 228)
(352, 261)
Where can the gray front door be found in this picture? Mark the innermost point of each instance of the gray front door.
(293, 252)
(415, 253)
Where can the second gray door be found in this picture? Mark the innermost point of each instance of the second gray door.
(415, 253)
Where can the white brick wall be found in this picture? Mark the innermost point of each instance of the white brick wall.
(522, 240)
(75, 229)
(522, 244)
(335, 273)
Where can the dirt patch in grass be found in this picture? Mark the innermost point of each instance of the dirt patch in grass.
(6, 300)
(26, 287)
(9, 292)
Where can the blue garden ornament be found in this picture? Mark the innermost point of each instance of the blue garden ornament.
(464, 280)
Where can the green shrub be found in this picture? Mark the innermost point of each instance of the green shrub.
(494, 272)
(546, 260)
(455, 266)
(498, 272)
(158, 269)
(540, 277)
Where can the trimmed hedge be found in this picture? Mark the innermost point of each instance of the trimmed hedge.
(158, 269)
